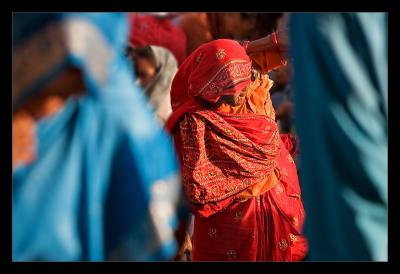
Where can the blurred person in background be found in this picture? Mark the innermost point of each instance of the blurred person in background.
(157, 29)
(341, 96)
(282, 100)
(202, 27)
(94, 176)
(154, 69)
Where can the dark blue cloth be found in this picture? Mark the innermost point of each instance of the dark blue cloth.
(340, 90)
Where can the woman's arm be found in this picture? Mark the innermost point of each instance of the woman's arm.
(267, 43)
(269, 52)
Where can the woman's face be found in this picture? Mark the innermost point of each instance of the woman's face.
(236, 99)
(145, 71)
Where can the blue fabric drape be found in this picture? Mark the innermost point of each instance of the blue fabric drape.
(340, 66)
(105, 183)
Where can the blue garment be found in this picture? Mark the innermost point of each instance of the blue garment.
(340, 90)
(105, 183)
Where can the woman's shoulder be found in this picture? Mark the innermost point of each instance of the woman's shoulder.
(197, 29)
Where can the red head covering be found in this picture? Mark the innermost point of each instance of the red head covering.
(220, 67)
(221, 153)
(148, 30)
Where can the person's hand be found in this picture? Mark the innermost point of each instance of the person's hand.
(185, 249)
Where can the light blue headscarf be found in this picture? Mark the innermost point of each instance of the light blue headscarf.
(105, 182)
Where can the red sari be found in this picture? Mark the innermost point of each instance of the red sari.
(241, 181)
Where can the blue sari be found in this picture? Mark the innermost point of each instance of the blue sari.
(105, 183)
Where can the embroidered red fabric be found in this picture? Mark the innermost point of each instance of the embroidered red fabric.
(291, 143)
(220, 67)
(224, 153)
(221, 153)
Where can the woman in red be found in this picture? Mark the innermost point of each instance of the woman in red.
(238, 176)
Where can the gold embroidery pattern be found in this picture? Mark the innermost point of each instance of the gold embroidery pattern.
(284, 172)
(231, 73)
(295, 221)
(220, 54)
(293, 238)
(219, 160)
(283, 244)
(278, 189)
(290, 159)
(198, 59)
